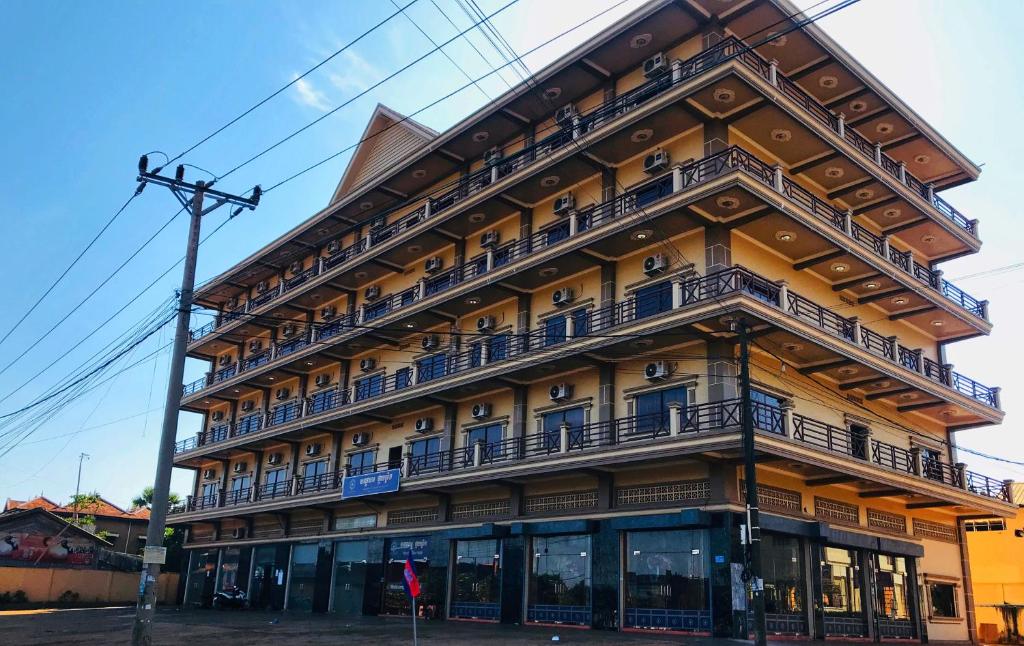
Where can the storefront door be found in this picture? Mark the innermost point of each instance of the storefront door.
(302, 582)
(667, 584)
(202, 575)
(268, 578)
(396, 601)
(841, 593)
(560, 580)
(892, 597)
(350, 564)
(476, 584)
(784, 584)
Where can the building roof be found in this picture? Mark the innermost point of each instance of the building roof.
(102, 508)
(11, 516)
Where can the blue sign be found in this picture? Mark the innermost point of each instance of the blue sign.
(369, 484)
(719, 558)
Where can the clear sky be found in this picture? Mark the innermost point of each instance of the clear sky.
(88, 90)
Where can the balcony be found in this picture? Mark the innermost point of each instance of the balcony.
(674, 428)
(598, 323)
(611, 215)
(608, 112)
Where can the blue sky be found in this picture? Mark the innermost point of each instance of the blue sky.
(89, 90)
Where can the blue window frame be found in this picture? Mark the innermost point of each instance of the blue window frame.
(653, 300)
(408, 297)
(362, 462)
(369, 387)
(503, 256)
(403, 378)
(432, 367)
(491, 436)
(557, 233)
(498, 348)
(476, 354)
(551, 424)
(425, 454)
(652, 414)
(376, 310)
(767, 409)
(580, 323)
(554, 330)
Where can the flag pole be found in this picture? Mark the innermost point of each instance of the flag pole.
(415, 640)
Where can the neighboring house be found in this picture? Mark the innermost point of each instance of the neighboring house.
(994, 546)
(34, 536)
(125, 530)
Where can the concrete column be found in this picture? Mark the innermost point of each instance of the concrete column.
(878, 154)
(450, 427)
(677, 293)
(783, 295)
(858, 330)
(716, 136)
(609, 271)
(773, 72)
(841, 124)
(903, 172)
(961, 473)
(848, 222)
(787, 418)
(525, 224)
(675, 418)
(609, 184)
(777, 177)
(916, 461)
(563, 437)
(717, 248)
(722, 372)
(606, 393)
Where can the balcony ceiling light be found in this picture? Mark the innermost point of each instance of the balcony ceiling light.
(884, 128)
(781, 135)
(236, 391)
(366, 206)
(835, 172)
(839, 267)
(552, 93)
(472, 300)
(414, 248)
(865, 194)
(885, 383)
(419, 173)
(550, 180)
(828, 82)
(858, 106)
(271, 378)
(206, 401)
(908, 396)
(899, 300)
(642, 234)
(938, 323)
(892, 214)
(641, 135)
(792, 347)
(922, 159)
(410, 325)
(928, 239)
(548, 272)
(871, 284)
(728, 202)
(643, 343)
(360, 274)
(775, 39)
(309, 363)
(847, 371)
(481, 136)
(785, 236)
(322, 231)
(724, 95)
(477, 217)
(948, 412)
(640, 41)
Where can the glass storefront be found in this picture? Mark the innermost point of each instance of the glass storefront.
(841, 593)
(396, 601)
(302, 581)
(667, 585)
(202, 575)
(784, 584)
(268, 578)
(560, 580)
(476, 581)
(350, 565)
(234, 569)
(892, 597)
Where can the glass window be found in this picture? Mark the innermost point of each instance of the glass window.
(556, 233)
(498, 348)
(350, 565)
(229, 559)
(783, 574)
(891, 587)
(491, 436)
(552, 424)
(943, 599)
(276, 482)
(210, 492)
(431, 367)
(376, 310)
(767, 411)
(580, 323)
(403, 378)
(303, 577)
(654, 299)
(476, 590)
(652, 413)
(202, 573)
(554, 330)
(396, 601)
(425, 454)
(362, 462)
(560, 578)
(859, 441)
(840, 582)
(240, 487)
(667, 580)
(475, 354)
(369, 386)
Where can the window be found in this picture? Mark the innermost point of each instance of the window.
(783, 574)
(991, 525)
(491, 437)
(667, 579)
(840, 582)
(554, 330)
(475, 354)
(557, 233)
(652, 413)
(311, 470)
(240, 489)
(210, 491)
(558, 588)
(369, 387)
(767, 411)
(276, 482)
(859, 441)
(932, 460)
(580, 323)
(362, 462)
(403, 378)
(942, 597)
(498, 348)
(653, 300)
(377, 310)
(552, 423)
(432, 367)
(425, 454)
(891, 587)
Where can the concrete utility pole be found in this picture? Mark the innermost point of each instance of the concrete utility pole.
(142, 629)
(754, 569)
(78, 483)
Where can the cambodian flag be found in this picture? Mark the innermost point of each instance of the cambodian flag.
(412, 584)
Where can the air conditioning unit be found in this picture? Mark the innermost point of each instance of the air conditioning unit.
(322, 380)
(231, 303)
(656, 162)
(209, 474)
(255, 345)
(564, 204)
(492, 156)
(240, 467)
(378, 221)
(333, 247)
(424, 424)
(360, 439)
(295, 267)
(224, 360)
(329, 312)
(433, 265)
(656, 264)
(656, 371)
(372, 292)
(288, 330)
(485, 324)
(218, 416)
(282, 393)
(561, 297)
(367, 364)
(489, 239)
(262, 286)
(656, 65)
(558, 392)
(314, 449)
(481, 411)
(430, 342)
(247, 406)
(275, 458)
(564, 114)
(238, 532)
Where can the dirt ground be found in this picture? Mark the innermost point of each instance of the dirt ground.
(105, 626)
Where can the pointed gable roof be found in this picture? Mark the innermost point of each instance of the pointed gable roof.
(389, 137)
(39, 502)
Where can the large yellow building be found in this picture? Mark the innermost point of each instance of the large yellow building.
(995, 546)
(508, 351)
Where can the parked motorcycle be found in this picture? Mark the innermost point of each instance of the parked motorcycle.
(233, 597)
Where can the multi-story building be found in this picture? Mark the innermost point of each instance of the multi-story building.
(509, 352)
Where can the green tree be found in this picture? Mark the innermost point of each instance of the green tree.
(83, 501)
(145, 499)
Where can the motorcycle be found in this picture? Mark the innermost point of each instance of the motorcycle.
(233, 597)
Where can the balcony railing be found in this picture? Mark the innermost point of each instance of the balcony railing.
(682, 71)
(676, 422)
(684, 292)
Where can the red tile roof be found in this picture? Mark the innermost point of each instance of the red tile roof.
(103, 508)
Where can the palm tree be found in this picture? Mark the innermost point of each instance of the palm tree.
(145, 499)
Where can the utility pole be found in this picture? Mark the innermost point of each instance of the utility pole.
(753, 536)
(78, 483)
(191, 196)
